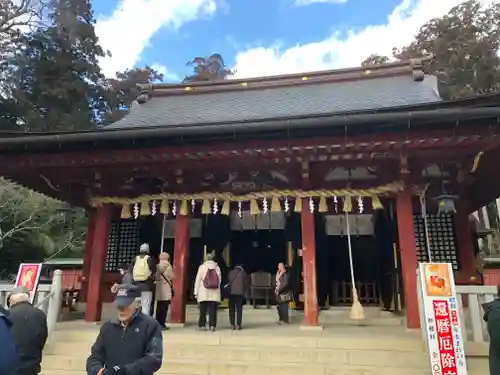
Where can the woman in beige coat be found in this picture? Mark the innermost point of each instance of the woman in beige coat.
(164, 288)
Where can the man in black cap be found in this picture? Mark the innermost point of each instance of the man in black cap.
(131, 345)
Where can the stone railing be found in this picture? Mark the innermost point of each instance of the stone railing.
(469, 301)
(48, 298)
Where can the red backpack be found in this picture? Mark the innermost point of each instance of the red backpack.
(211, 279)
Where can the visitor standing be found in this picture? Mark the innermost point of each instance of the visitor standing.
(282, 293)
(126, 277)
(130, 345)
(237, 288)
(207, 292)
(492, 318)
(164, 288)
(29, 331)
(8, 354)
(143, 274)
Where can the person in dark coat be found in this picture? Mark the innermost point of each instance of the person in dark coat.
(29, 330)
(126, 277)
(237, 286)
(130, 345)
(283, 293)
(8, 354)
(492, 319)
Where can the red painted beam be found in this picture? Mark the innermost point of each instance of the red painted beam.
(269, 149)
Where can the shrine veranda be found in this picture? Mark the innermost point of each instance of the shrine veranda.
(269, 169)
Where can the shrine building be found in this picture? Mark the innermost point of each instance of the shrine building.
(272, 169)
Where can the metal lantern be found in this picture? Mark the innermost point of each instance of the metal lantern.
(446, 204)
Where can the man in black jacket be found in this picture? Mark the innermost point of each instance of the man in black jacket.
(29, 330)
(131, 345)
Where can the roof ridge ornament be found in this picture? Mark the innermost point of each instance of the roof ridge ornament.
(144, 90)
(417, 66)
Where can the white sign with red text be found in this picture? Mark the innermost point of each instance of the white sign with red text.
(442, 321)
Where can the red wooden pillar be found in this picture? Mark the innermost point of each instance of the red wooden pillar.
(87, 253)
(181, 257)
(406, 234)
(465, 243)
(102, 222)
(309, 266)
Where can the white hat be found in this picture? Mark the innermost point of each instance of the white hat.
(144, 248)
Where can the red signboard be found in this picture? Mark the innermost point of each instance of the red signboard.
(28, 276)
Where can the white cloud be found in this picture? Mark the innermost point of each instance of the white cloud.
(300, 3)
(345, 48)
(134, 22)
(167, 75)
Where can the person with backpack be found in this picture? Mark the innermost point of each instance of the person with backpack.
(207, 292)
(143, 274)
(237, 289)
(8, 354)
(492, 319)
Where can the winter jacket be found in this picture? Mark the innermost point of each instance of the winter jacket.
(136, 348)
(492, 319)
(164, 280)
(237, 281)
(29, 329)
(201, 293)
(8, 353)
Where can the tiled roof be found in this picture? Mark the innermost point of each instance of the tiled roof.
(281, 102)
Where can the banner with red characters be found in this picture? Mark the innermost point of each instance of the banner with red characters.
(446, 347)
(28, 276)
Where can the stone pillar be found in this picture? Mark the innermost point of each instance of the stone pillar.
(102, 223)
(181, 258)
(407, 245)
(87, 254)
(309, 266)
(465, 244)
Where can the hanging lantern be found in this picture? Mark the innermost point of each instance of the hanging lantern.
(446, 204)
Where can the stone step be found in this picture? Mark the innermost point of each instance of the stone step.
(195, 367)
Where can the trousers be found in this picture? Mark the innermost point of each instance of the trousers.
(208, 308)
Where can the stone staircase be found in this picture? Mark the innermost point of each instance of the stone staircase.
(264, 348)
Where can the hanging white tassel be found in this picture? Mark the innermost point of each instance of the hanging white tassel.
(136, 211)
(153, 208)
(287, 205)
(336, 203)
(174, 208)
(193, 205)
(311, 205)
(264, 205)
(240, 213)
(361, 206)
(216, 206)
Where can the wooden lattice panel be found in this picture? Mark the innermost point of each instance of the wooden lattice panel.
(441, 237)
(122, 243)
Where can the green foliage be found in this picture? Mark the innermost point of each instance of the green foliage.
(463, 46)
(210, 68)
(33, 227)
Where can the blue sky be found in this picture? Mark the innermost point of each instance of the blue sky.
(258, 37)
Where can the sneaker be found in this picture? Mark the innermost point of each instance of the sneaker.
(165, 328)
(201, 328)
(238, 328)
(212, 329)
(233, 327)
